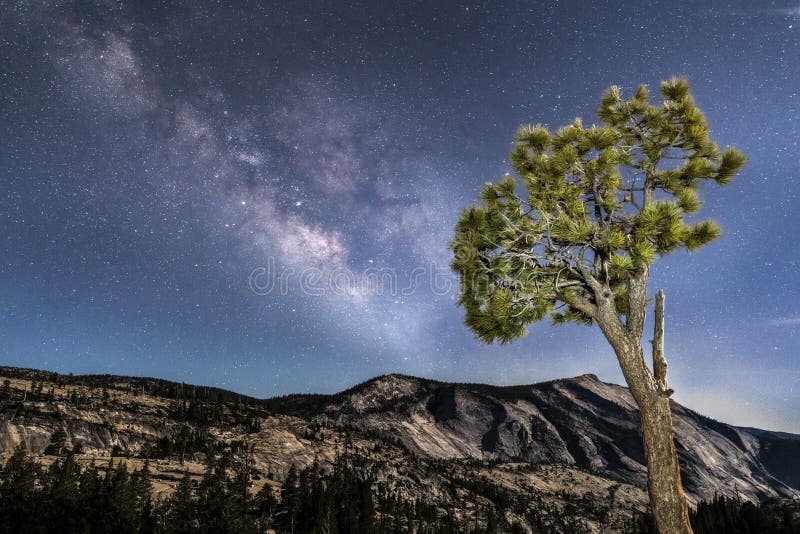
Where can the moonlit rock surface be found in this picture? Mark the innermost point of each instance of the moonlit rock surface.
(578, 421)
(553, 431)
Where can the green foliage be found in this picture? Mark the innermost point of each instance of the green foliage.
(600, 204)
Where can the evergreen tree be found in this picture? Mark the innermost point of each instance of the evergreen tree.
(265, 505)
(58, 442)
(119, 506)
(64, 496)
(143, 489)
(180, 509)
(20, 510)
(290, 498)
(90, 497)
(600, 205)
(67, 499)
(214, 512)
(366, 510)
(239, 495)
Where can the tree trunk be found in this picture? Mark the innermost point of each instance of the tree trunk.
(649, 390)
(667, 498)
(663, 471)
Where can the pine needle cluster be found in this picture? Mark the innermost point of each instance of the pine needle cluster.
(588, 204)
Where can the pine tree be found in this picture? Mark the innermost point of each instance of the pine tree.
(58, 442)
(64, 495)
(215, 512)
(290, 500)
(305, 502)
(181, 508)
(239, 494)
(90, 497)
(18, 502)
(119, 508)
(366, 510)
(265, 505)
(143, 489)
(600, 205)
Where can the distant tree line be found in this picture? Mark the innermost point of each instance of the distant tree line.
(69, 498)
(36, 392)
(342, 498)
(134, 385)
(725, 515)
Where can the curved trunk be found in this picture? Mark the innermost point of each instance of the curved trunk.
(649, 390)
(663, 470)
(667, 498)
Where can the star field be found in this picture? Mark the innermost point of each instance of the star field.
(155, 155)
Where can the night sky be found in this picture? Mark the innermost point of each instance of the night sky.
(159, 160)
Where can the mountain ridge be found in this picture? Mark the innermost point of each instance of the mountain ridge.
(42, 373)
(569, 436)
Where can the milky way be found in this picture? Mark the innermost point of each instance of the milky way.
(159, 162)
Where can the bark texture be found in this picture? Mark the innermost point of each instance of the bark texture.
(659, 363)
(649, 390)
(663, 471)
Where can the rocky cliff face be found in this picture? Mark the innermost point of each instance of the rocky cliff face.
(573, 441)
(580, 421)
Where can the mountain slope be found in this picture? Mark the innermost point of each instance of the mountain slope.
(571, 442)
(578, 421)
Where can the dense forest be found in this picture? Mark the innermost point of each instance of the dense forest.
(66, 497)
(723, 515)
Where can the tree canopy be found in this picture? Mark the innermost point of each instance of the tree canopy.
(600, 204)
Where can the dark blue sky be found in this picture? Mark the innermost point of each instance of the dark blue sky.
(154, 156)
